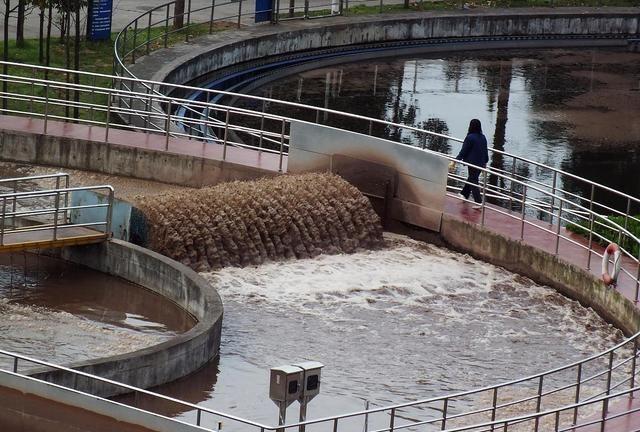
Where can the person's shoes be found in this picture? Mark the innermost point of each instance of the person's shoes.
(477, 206)
(463, 198)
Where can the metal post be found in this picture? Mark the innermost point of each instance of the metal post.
(239, 12)
(213, 7)
(392, 419)
(558, 228)
(553, 195)
(484, 197)
(66, 199)
(577, 399)
(14, 204)
(166, 27)
(33, 91)
(445, 406)
(539, 402)
(633, 364)
(303, 413)
(186, 36)
(366, 416)
(55, 217)
(106, 126)
(15, 365)
(494, 404)
(306, 9)
(135, 37)
(557, 422)
(198, 416)
(591, 221)
(168, 127)
(261, 131)
(46, 107)
(513, 175)
(4, 215)
(109, 214)
(149, 33)
(524, 197)
(226, 135)
(281, 146)
(609, 372)
(605, 408)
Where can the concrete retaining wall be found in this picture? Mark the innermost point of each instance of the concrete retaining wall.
(572, 281)
(124, 160)
(164, 362)
(180, 65)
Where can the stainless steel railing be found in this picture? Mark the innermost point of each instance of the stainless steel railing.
(578, 382)
(49, 210)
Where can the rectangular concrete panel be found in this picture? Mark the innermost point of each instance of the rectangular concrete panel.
(421, 175)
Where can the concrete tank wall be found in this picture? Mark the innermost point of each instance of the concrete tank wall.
(179, 65)
(160, 363)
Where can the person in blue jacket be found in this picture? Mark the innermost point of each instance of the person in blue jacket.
(474, 151)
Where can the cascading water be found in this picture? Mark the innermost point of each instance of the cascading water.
(248, 223)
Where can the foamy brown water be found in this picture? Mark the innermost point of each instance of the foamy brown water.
(406, 322)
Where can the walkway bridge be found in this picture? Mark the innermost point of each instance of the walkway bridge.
(37, 217)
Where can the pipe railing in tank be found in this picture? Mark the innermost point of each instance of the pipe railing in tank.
(600, 379)
(49, 210)
(267, 131)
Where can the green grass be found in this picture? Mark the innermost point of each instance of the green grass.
(607, 230)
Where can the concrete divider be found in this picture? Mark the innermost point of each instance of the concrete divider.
(160, 363)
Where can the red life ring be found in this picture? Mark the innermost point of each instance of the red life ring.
(611, 278)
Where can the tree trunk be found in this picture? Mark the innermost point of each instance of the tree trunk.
(41, 36)
(20, 24)
(76, 48)
(178, 14)
(5, 49)
(48, 46)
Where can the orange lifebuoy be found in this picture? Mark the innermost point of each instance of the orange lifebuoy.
(611, 278)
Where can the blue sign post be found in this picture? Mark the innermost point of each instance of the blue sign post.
(99, 26)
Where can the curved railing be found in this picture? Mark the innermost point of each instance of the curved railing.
(580, 383)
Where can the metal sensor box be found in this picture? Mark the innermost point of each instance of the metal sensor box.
(286, 383)
(311, 379)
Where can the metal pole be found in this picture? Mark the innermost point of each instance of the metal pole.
(46, 107)
(306, 9)
(4, 215)
(213, 7)
(558, 228)
(366, 416)
(166, 27)
(577, 399)
(198, 416)
(633, 364)
(553, 194)
(524, 197)
(494, 404)
(445, 406)
(66, 199)
(226, 135)
(513, 174)
(303, 413)
(135, 37)
(188, 21)
(149, 33)
(167, 127)
(106, 126)
(239, 12)
(539, 402)
(15, 365)
(281, 146)
(392, 419)
(109, 214)
(55, 217)
(484, 197)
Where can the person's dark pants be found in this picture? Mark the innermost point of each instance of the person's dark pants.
(474, 176)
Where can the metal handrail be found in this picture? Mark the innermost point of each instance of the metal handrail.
(60, 209)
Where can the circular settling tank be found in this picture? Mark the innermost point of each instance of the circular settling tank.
(398, 324)
(58, 312)
(573, 109)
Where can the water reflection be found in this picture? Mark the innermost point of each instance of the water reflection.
(572, 109)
